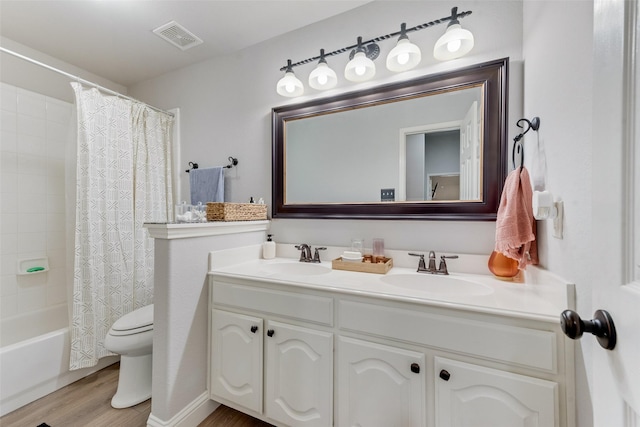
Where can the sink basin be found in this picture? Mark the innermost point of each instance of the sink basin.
(296, 268)
(437, 285)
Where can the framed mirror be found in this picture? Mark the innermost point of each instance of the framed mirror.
(432, 148)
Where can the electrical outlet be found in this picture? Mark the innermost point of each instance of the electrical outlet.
(388, 195)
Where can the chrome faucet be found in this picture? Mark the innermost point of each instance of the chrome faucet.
(442, 268)
(305, 253)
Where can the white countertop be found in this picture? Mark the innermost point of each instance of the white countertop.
(542, 296)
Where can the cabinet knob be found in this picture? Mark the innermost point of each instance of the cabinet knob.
(254, 329)
(601, 326)
(415, 368)
(270, 332)
(445, 375)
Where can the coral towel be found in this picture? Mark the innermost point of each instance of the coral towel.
(515, 225)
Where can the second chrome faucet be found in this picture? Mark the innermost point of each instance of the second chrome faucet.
(431, 269)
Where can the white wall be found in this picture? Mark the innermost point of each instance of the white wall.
(558, 89)
(226, 109)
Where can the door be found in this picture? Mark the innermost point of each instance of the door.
(299, 375)
(379, 385)
(470, 155)
(474, 396)
(616, 211)
(236, 358)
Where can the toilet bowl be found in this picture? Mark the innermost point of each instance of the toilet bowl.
(131, 336)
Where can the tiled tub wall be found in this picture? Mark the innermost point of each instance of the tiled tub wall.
(34, 133)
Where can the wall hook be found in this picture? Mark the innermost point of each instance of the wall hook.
(533, 124)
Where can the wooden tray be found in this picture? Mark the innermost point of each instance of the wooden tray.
(363, 267)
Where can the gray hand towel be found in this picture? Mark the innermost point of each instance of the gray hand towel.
(207, 185)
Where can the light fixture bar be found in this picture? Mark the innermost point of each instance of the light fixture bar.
(454, 15)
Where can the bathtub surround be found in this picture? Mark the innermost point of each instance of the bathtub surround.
(123, 180)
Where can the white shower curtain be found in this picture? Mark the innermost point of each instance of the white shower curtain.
(123, 180)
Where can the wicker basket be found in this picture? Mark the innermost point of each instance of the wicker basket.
(217, 211)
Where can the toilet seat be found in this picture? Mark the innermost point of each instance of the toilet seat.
(138, 321)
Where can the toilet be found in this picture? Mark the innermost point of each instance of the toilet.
(131, 336)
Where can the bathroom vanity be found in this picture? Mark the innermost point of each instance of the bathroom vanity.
(299, 344)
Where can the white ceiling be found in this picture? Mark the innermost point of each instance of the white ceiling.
(114, 38)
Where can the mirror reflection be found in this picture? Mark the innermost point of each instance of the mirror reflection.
(420, 149)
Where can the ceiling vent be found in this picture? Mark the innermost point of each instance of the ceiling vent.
(177, 35)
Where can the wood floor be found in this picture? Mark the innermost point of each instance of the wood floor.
(85, 403)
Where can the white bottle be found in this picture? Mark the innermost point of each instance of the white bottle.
(269, 248)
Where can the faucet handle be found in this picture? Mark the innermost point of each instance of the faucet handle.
(316, 254)
(421, 264)
(442, 268)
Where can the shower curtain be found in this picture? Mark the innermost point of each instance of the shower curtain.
(123, 180)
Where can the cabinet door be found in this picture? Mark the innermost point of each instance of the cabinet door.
(474, 396)
(379, 385)
(236, 358)
(299, 375)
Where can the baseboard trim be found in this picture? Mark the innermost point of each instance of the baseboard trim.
(190, 416)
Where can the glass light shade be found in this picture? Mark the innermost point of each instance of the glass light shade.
(454, 43)
(360, 68)
(323, 77)
(289, 85)
(404, 56)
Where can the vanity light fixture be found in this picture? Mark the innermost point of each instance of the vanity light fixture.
(323, 77)
(361, 66)
(456, 42)
(290, 85)
(405, 55)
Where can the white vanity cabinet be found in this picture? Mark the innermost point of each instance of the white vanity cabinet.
(331, 358)
(296, 385)
(379, 385)
(472, 395)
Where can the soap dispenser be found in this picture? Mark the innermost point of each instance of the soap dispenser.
(269, 248)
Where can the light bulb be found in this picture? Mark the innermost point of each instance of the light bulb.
(403, 58)
(360, 70)
(323, 77)
(290, 87)
(454, 45)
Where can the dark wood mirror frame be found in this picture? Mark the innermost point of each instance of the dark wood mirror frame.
(493, 75)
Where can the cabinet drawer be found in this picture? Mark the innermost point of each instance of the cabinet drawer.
(310, 308)
(509, 344)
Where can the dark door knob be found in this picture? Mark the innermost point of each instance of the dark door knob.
(270, 332)
(445, 375)
(254, 329)
(415, 368)
(601, 326)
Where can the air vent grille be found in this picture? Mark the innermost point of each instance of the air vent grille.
(177, 35)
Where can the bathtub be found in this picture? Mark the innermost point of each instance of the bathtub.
(34, 357)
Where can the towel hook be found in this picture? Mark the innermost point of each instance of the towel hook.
(533, 124)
